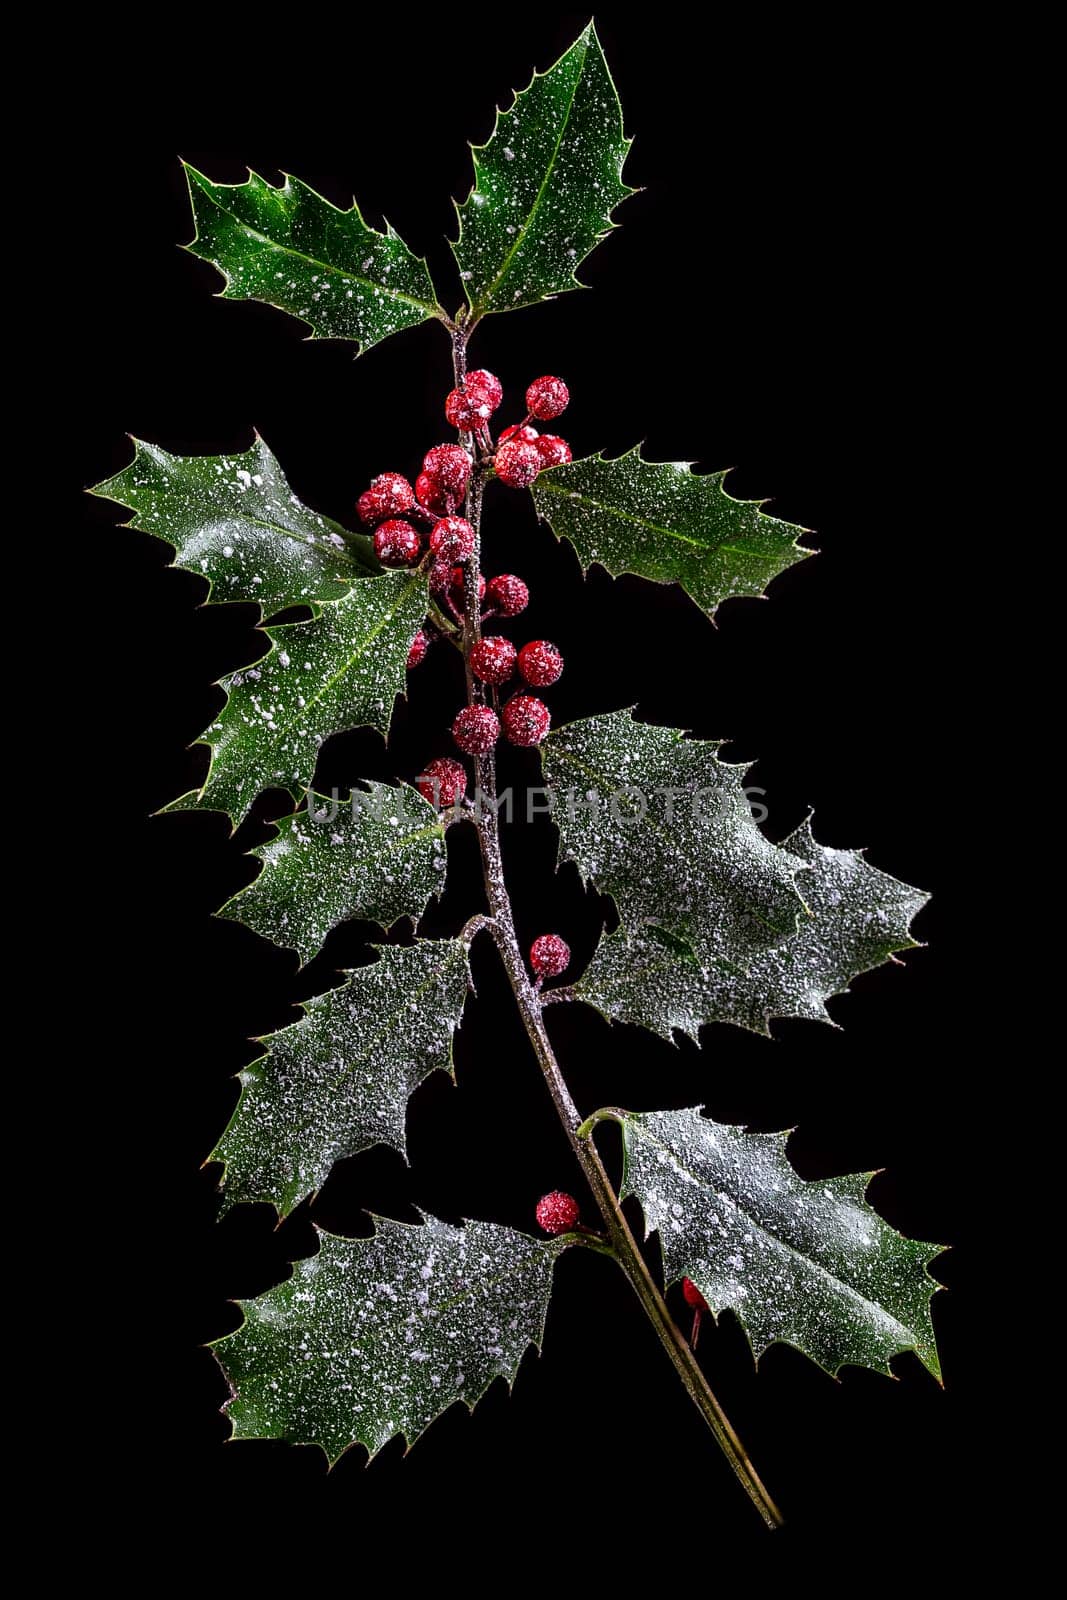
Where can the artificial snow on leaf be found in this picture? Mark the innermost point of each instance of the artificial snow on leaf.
(657, 822)
(378, 856)
(341, 670)
(339, 1080)
(376, 1337)
(855, 918)
(291, 248)
(809, 1264)
(661, 521)
(545, 185)
(235, 521)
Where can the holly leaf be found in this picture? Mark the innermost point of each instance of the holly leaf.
(545, 185)
(234, 520)
(378, 856)
(341, 670)
(664, 827)
(661, 521)
(856, 917)
(291, 248)
(374, 1337)
(339, 1080)
(808, 1264)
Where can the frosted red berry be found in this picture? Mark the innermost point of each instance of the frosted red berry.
(489, 384)
(526, 720)
(520, 430)
(547, 398)
(458, 583)
(517, 463)
(468, 408)
(397, 544)
(430, 493)
(452, 538)
(557, 1212)
(393, 493)
(476, 730)
(450, 465)
(369, 508)
(549, 955)
(493, 659)
(692, 1296)
(508, 594)
(443, 782)
(417, 650)
(441, 579)
(540, 663)
(554, 451)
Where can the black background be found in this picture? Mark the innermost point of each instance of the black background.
(781, 297)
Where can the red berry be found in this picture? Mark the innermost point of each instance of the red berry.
(369, 507)
(540, 663)
(393, 493)
(557, 1212)
(443, 782)
(430, 493)
(450, 465)
(458, 582)
(517, 463)
(520, 430)
(489, 384)
(554, 451)
(441, 579)
(476, 730)
(692, 1296)
(397, 544)
(549, 955)
(547, 398)
(508, 594)
(468, 408)
(417, 650)
(526, 720)
(452, 538)
(493, 660)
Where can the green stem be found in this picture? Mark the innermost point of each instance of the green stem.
(502, 925)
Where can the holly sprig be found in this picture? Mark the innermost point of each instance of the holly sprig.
(374, 1337)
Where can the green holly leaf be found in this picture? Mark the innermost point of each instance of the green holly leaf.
(545, 185)
(292, 249)
(339, 1080)
(378, 856)
(808, 1264)
(341, 670)
(855, 918)
(235, 521)
(657, 822)
(375, 1337)
(661, 521)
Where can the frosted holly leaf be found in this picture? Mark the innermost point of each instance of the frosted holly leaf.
(377, 1337)
(856, 918)
(235, 521)
(661, 521)
(291, 248)
(378, 856)
(341, 670)
(809, 1264)
(339, 1080)
(545, 185)
(657, 822)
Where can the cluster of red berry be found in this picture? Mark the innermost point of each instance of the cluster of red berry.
(445, 543)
